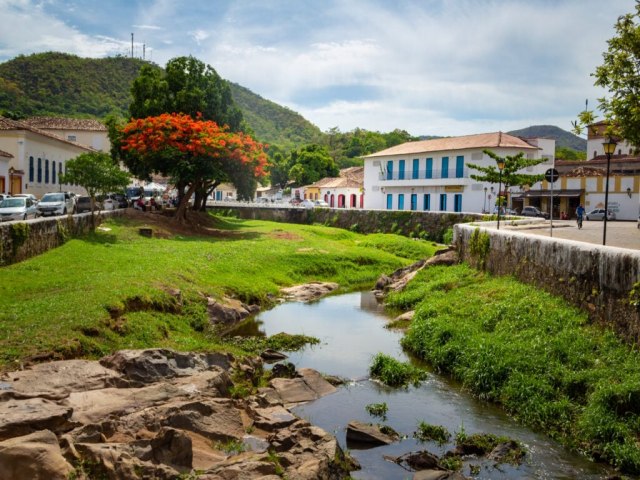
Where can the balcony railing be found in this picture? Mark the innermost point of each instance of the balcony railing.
(424, 174)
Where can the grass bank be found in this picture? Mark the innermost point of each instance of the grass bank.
(527, 350)
(116, 289)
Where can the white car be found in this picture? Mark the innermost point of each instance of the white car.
(306, 204)
(320, 203)
(17, 208)
(598, 214)
(56, 203)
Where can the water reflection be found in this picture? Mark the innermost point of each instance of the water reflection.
(351, 330)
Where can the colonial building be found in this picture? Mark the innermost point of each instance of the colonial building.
(84, 131)
(33, 159)
(344, 191)
(434, 174)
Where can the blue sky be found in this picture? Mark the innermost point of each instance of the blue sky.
(431, 67)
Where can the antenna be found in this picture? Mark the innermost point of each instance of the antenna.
(131, 45)
(144, 47)
(586, 105)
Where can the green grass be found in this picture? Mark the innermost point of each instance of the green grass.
(394, 373)
(527, 350)
(58, 305)
(427, 432)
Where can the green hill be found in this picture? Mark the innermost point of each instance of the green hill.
(66, 85)
(562, 137)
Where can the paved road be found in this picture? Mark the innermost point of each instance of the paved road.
(619, 233)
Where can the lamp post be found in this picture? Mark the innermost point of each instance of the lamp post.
(500, 168)
(484, 205)
(609, 148)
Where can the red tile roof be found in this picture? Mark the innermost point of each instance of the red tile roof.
(5, 154)
(481, 140)
(352, 177)
(8, 124)
(62, 123)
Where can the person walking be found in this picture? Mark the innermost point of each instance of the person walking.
(579, 215)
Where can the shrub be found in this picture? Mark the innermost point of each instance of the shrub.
(394, 373)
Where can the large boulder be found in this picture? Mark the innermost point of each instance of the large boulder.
(366, 434)
(229, 311)
(22, 417)
(33, 456)
(152, 365)
(310, 385)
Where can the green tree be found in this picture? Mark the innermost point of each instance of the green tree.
(279, 170)
(310, 164)
(97, 173)
(620, 75)
(566, 153)
(510, 176)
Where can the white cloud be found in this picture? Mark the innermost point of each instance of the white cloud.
(147, 27)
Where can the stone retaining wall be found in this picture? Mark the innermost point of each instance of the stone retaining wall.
(26, 239)
(427, 225)
(595, 278)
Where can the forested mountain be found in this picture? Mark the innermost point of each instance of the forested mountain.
(562, 137)
(66, 85)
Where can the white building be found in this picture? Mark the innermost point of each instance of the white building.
(85, 131)
(344, 191)
(434, 174)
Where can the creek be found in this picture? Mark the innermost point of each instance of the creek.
(351, 329)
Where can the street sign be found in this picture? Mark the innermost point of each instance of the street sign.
(551, 175)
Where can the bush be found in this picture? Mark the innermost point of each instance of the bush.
(394, 373)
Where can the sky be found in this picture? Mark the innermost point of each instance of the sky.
(430, 67)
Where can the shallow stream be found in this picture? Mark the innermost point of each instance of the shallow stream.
(351, 330)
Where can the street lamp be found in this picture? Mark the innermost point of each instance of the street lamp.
(609, 148)
(500, 163)
(484, 205)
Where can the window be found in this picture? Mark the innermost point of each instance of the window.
(414, 201)
(39, 170)
(71, 138)
(46, 171)
(390, 170)
(389, 201)
(459, 166)
(401, 170)
(53, 172)
(427, 201)
(429, 172)
(401, 201)
(416, 167)
(60, 172)
(443, 202)
(457, 202)
(31, 170)
(445, 167)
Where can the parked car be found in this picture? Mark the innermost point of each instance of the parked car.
(3, 196)
(83, 204)
(533, 212)
(56, 203)
(320, 203)
(26, 195)
(307, 204)
(17, 208)
(598, 214)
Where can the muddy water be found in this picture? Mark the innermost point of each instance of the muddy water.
(351, 330)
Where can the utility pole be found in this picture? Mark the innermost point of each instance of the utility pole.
(144, 47)
(131, 45)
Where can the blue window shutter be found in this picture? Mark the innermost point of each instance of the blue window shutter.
(390, 170)
(427, 201)
(401, 170)
(445, 167)
(457, 202)
(459, 166)
(429, 171)
(389, 201)
(39, 170)
(31, 170)
(416, 169)
(443, 202)
(401, 201)
(414, 201)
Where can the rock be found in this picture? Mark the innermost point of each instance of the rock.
(33, 456)
(270, 355)
(216, 419)
(229, 311)
(444, 257)
(382, 282)
(437, 475)
(309, 386)
(308, 292)
(22, 417)
(151, 365)
(367, 434)
(405, 317)
(172, 447)
(55, 380)
(506, 452)
(419, 460)
(284, 370)
(273, 418)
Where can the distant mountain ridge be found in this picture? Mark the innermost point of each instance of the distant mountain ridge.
(562, 137)
(61, 84)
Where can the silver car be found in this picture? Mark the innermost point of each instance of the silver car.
(17, 208)
(57, 203)
(598, 214)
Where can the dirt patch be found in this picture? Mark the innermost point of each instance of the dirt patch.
(164, 225)
(282, 235)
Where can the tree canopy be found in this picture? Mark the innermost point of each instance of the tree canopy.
(194, 153)
(509, 176)
(620, 75)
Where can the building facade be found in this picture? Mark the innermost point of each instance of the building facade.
(433, 175)
(344, 191)
(85, 131)
(34, 159)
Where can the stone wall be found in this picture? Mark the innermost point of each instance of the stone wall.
(26, 239)
(595, 278)
(427, 225)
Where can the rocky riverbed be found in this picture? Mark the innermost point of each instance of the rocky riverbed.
(160, 414)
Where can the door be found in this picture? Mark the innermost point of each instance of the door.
(16, 184)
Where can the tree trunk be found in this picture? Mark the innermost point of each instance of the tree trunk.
(181, 211)
(209, 191)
